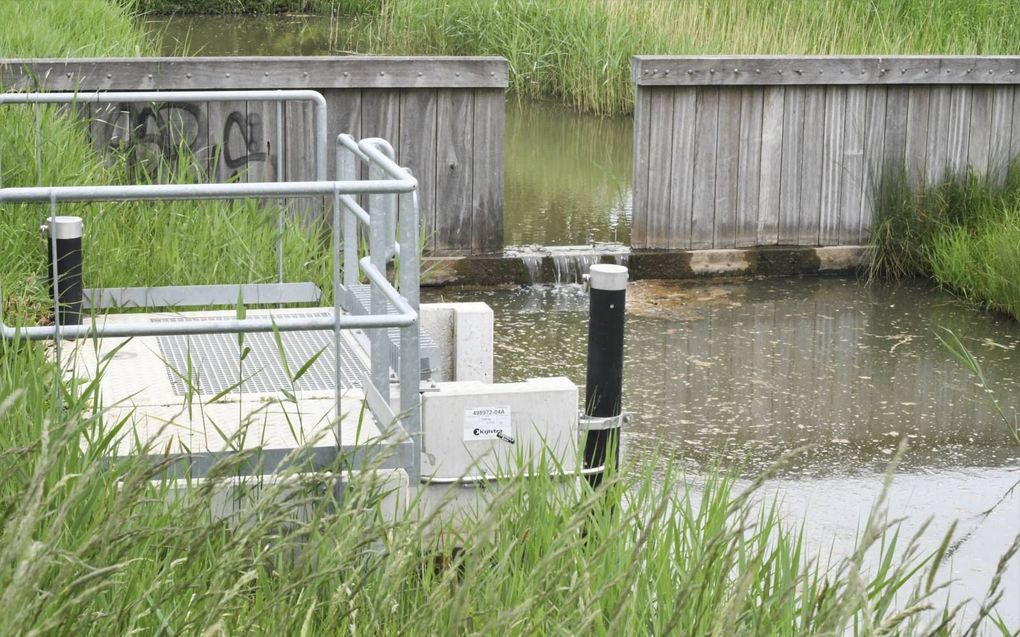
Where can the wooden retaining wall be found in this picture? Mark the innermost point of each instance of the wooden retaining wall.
(745, 151)
(444, 116)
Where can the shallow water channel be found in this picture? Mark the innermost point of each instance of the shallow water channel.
(740, 372)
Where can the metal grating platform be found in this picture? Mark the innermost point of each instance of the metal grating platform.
(216, 365)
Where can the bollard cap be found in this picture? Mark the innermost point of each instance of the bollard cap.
(63, 227)
(606, 276)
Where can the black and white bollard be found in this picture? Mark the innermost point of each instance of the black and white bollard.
(63, 247)
(604, 386)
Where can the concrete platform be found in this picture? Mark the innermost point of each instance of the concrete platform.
(199, 394)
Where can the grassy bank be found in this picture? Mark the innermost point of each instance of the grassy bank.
(578, 51)
(963, 233)
(256, 6)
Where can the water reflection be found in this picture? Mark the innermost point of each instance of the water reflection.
(567, 176)
(227, 35)
(747, 370)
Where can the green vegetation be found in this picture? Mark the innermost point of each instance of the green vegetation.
(97, 548)
(964, 233)
(578, 51)
(257, 6)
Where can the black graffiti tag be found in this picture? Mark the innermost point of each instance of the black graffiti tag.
(155, 136)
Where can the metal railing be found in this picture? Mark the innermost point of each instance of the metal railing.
(279, 97)
(386, 182)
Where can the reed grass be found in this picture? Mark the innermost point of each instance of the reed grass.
(578, 51)
(93, 546)
(324, 7)
(962, 232)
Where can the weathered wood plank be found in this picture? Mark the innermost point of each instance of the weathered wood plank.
(487, 172)
(847, 226)
(750, 166)
(835, 161)
(876, 135)
(659, 168)
(727, 166)
(681, 199)
(188, 130)
(793, 151)
(811, 165)
(380, 114)
(417, 151)
(731, 70)
(958, 141)
(937, 148)
(999, 136)
(918, 98)
(979, 132)
(228, 136)
(279, 142)
(1014, 145)
(298, 139)
(344, 116)
(455, 143)
(705, 139)
(642, 145)
(270, 72)
(897, 106)
(298, 143)
(772, 142)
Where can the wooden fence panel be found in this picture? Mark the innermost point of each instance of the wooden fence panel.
(794, 150)
(366, 96)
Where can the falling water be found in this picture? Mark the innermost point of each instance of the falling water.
(569, 264)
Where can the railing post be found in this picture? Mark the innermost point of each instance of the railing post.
(346, 171)
(380, 206)
(604, 386)
(410, 354)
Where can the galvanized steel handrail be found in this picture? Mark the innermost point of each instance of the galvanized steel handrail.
(383, 223)
(162, 192)
(386, 180)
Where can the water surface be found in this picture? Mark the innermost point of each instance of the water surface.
(741, 372)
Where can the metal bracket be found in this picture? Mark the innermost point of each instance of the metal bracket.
(602, 423)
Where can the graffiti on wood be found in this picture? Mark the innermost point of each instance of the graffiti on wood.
(162, 138)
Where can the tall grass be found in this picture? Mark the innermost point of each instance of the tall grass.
(578, 51)
(964, 233)
(257, 6)
(89, 546)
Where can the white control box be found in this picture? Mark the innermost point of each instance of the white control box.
(474, 429)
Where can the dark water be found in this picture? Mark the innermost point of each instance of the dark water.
(742, 372)
(567, 176)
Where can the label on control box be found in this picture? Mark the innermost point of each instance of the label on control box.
(487, 423)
